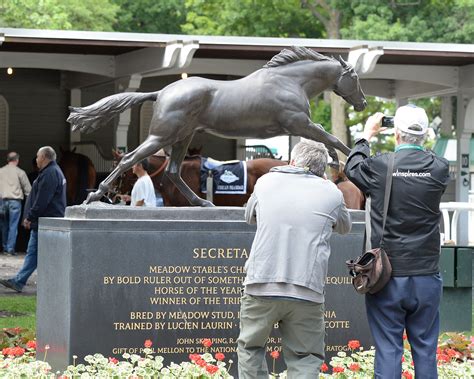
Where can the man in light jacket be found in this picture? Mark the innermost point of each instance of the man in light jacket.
(296, 210)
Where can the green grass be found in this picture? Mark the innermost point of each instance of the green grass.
(20, 304)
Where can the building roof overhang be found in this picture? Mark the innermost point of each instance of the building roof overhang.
(392, 69)
(226, 47)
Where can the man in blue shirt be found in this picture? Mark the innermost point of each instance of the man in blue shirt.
(47, 199)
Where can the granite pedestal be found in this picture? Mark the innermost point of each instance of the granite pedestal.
(110, 277)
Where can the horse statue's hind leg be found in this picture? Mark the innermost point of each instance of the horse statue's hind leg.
(173, 171)
(150, 146)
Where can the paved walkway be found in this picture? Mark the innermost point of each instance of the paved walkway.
(9, 266)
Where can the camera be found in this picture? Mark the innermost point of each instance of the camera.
(387, 122)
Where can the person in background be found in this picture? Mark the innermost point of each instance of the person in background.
(296, 210)
(410, 300)
(47, 199)
(143, 191)
(14, 187)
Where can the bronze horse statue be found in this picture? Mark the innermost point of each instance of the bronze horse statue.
(269, 102)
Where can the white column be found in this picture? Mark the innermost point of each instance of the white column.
(75, 102)
(121, 134)
(465, 128)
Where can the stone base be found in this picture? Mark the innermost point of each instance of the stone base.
(111, 277)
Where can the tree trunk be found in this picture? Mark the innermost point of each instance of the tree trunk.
(330, 17)
(338, 112)
(338, 120)
(446, 116)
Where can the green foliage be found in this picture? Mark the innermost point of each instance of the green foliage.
(58, 14)
(457, 341)
(262, 18)
(321, 113)
(150, 16)
(10, 337)
(425, 21)
(22, 309)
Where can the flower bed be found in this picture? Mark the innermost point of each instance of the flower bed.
(17, 360)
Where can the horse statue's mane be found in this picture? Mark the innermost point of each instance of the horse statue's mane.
(295, 54)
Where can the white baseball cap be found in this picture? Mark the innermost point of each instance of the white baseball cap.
(411, 119)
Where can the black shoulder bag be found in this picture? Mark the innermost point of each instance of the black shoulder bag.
(372, 270)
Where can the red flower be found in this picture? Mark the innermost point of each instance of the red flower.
(275, 354)
(194, 357)
(113, 360)
(148, 344)
(220, 356)
(354, 367)
(18, 351)
(353, 344)
(404, 336)
(324, 367)
(201, 362)
(403, 358)
(451, 353)
(407, 375)
(31, 344)
(206, 342)
(443, 358)
(13, 351)
(211, 369)
(337, 369)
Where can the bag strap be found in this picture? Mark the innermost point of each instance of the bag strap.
(388, 190)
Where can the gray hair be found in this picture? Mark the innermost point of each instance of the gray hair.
(13, 156)
(413, 139)
(48, 152)
(310, 155)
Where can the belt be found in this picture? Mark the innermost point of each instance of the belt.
(6, 198)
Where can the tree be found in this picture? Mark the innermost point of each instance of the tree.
(58, 14)
(150, 16)
(261, 18)
(450, 21)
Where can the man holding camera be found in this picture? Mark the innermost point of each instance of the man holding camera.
(410, 300)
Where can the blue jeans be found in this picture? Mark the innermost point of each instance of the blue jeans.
(31, 261)
(10, 224)
(408, 303)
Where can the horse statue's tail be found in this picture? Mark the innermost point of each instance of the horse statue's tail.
(92, 117)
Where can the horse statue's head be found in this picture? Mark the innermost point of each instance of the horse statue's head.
(348, 87)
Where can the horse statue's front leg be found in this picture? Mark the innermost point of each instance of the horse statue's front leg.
(97, 195)
(333, 154)
(316, 132)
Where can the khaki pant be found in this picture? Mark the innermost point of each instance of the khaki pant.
(301, 324)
